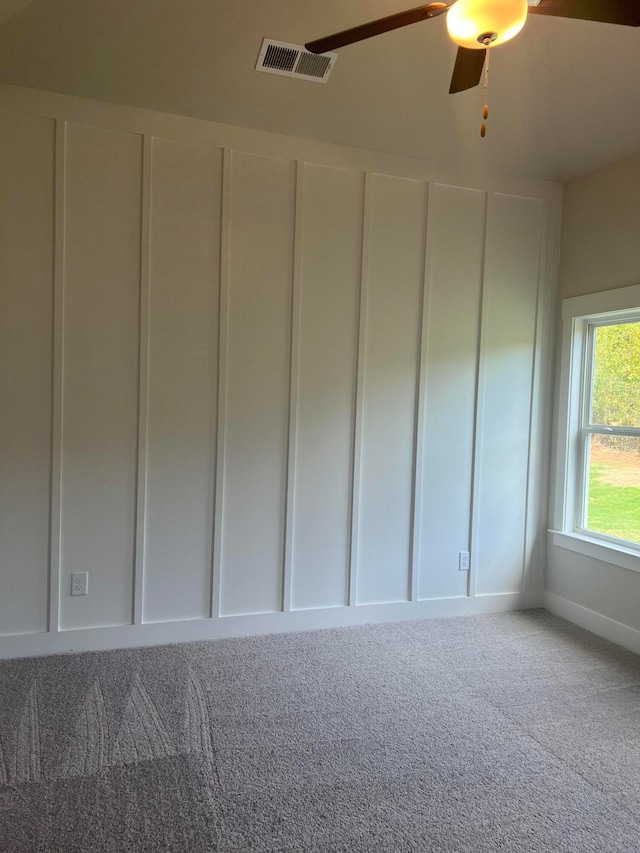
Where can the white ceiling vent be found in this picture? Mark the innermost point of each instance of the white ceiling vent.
(291, 60)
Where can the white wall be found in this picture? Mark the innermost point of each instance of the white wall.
(600, 251)
(600, 246)
(253, 383)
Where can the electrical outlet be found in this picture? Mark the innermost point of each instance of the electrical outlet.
(463, 561)
(79, 583)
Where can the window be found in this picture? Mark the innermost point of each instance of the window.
(597, 493)
(609, 444)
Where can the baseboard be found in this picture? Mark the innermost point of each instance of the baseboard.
(160, 633)
(595, 622)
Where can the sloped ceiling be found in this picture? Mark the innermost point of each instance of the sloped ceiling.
(564, 95)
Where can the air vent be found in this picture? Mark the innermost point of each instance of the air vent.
(291, 60)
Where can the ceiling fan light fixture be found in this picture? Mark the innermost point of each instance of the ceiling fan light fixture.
(471, 22)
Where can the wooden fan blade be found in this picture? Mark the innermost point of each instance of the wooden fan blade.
(467, 72)
(375, 28)
(624, 12)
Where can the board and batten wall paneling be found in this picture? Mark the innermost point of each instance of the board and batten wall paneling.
(261, 378)
(453, 306)
(261, 251)
(186, 190)
(398, 216)
(26, 323)
(512, 272)
(328, 350)
(100, 379)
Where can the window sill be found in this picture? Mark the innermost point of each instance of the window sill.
(615, 555)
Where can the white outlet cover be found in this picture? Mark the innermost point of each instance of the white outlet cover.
(79, 583)
(463, 561)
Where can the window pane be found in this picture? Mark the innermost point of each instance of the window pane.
(613, 500)
(616, 375)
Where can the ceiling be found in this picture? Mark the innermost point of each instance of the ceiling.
(564, 95)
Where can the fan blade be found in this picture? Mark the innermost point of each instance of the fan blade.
(375, 28)
(467, 72)
(625, 12)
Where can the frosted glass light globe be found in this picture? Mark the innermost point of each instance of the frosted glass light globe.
(470, 21)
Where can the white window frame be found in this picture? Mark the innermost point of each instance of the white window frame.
(578, 316)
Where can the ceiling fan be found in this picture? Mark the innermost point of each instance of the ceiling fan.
(476, 25)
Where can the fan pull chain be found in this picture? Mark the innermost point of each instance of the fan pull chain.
(485, 110)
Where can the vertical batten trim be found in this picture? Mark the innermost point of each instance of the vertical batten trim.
(478, 414)
(420, 408)
(223, 301)
(293, 389)
(57, 379)
(549, 313)
(143, 382)
(534, 406)
(359, 395)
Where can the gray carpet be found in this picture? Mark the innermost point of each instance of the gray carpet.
(516, 732)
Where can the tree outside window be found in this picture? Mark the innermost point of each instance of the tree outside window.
(610, 504)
